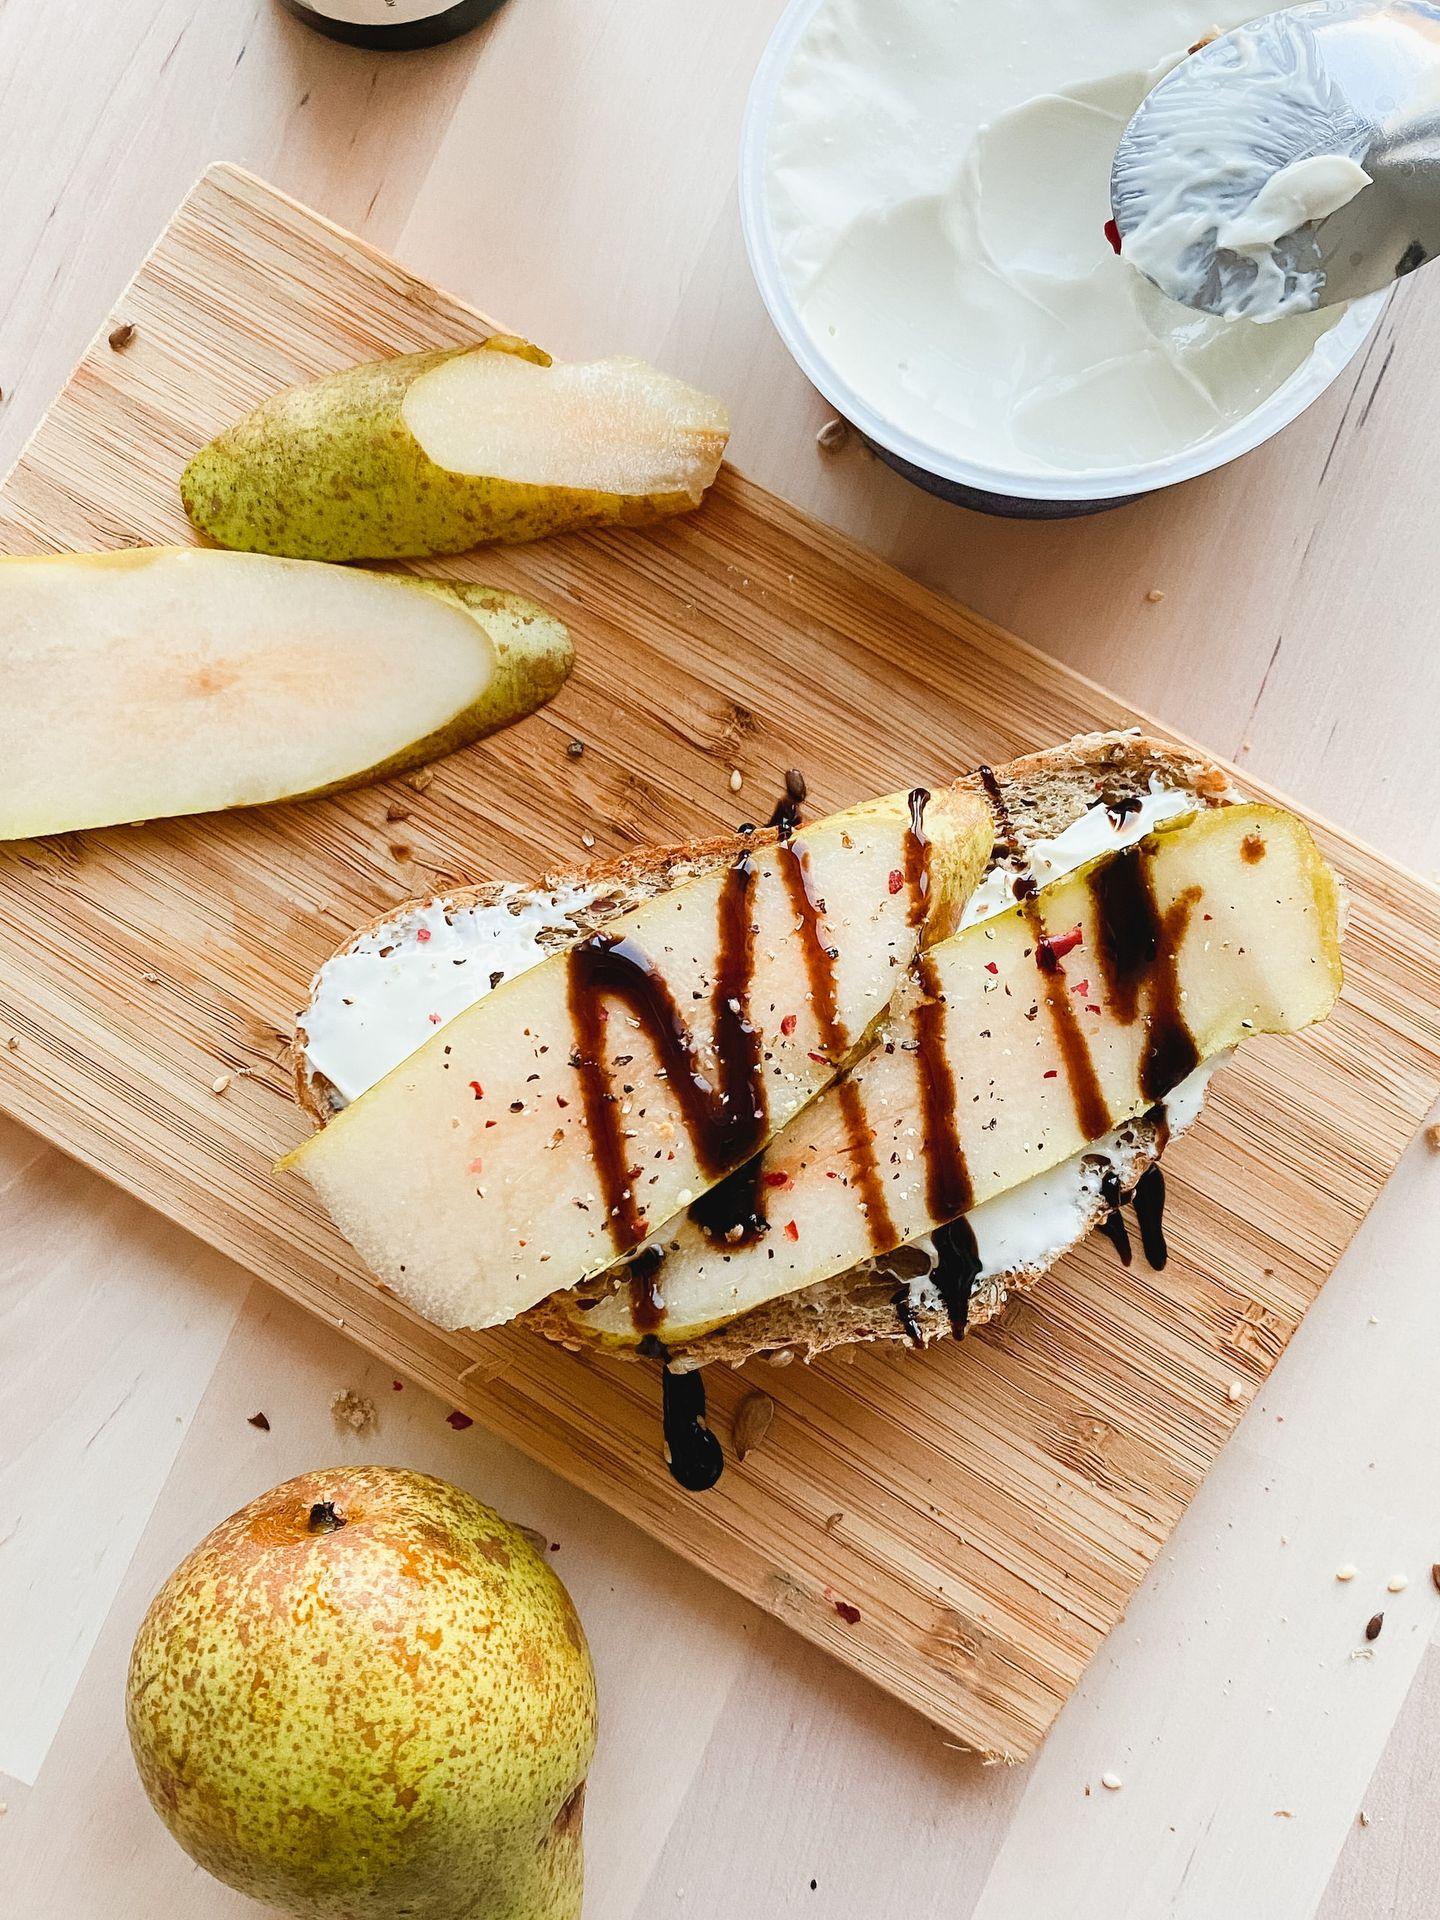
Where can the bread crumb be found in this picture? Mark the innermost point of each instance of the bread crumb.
(1235, 1392)
(737, 779)
(1347, 1572)
(1112, 1781)
(1397, 1583)
(832, 436)
(1364, 1818)
(1155, 596)
(352, 1412)
(1284, 1813)
(419, 780)
(587, 839)
(221, 1083)
(1432, 1137)
(121, 336)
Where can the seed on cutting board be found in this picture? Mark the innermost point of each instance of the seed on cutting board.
(737, 779)
(121, 336)
(753, 1417)
(221, 1083)
(1373, 1626)
(1112, 1781)
(575, 749)
(1347, 1572)
(832, 436)
(1397, 1583)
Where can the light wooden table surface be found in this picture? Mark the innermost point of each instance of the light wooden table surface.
(573, 171)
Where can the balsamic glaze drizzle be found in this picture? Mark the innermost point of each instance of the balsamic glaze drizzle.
(1091, 1109)
(1139, 953)
(692, 1452)
(957, 1268)
(786, 815)
(724, 1111)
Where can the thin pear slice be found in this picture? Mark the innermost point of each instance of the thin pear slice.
(168, 680)
(999, 1069)
(560, 1120)
(438, 452)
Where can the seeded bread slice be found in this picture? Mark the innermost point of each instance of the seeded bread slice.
(1043, 794)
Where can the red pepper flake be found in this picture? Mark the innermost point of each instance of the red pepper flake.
(792, 1232)
(777, 1180)
(490, 1123)
(1053, 1073)
(850, 1615)
(474, 1167)
(422, 934)
(991, 967)
(1064, 943)
(459, 1421)
(1092, 1008)
(787, 1025)
(819, 1057)
(397, 1386)
(1112, 234)
(477, 1089)
(897, 880)
(561, 1101)
(1082, 987)
(433, 1018)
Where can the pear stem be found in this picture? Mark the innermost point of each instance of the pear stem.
(325, 1517)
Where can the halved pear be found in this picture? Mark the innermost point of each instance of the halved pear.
(1161, 956)
(168, 680)
(584, 1102)
(438, 452)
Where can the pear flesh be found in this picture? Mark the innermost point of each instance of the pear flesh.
(476, 1177)
(1247, 913)
(439, 452)
(366, 1696)
(171, 680)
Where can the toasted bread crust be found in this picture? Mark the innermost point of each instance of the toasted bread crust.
(1043, 793)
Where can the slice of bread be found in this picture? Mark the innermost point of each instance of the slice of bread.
(1043, 793)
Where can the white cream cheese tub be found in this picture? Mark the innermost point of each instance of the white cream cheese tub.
(924, 192)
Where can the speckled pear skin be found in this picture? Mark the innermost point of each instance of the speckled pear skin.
(330, 471)
(392, 1718)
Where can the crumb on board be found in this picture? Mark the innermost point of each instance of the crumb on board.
(352, 1412)
(1155, 596)
(120, 337)
(737, 779)
(1347, 1572)
(420, 779)
(1112, 1781)
(832, 436)
(221, 1083)
(259, 1421)
(1432, 1136)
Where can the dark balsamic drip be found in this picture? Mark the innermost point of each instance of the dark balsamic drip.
(1139, 949)
(1121, 806)
(1086, 1092)
(820, 971)
(1148, 1201)
(905, 1314)
(787, 808)
(957, 1268)
(724, 1112)
(1113, 1224)
(647, 1308)
(731, 1212)
(948, 1188)
(692, 1452)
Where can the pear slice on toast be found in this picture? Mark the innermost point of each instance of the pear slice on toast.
(168, 680)
(565, 1117)
(438, 452)
(1025, 1038)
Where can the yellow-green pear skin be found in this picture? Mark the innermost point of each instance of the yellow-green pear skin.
(333, 471)
(364, 1696)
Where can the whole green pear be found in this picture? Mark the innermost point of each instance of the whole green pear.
(364, 1696)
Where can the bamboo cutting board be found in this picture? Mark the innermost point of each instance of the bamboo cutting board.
(963, 1527)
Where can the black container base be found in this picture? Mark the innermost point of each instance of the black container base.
(1004, 506)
